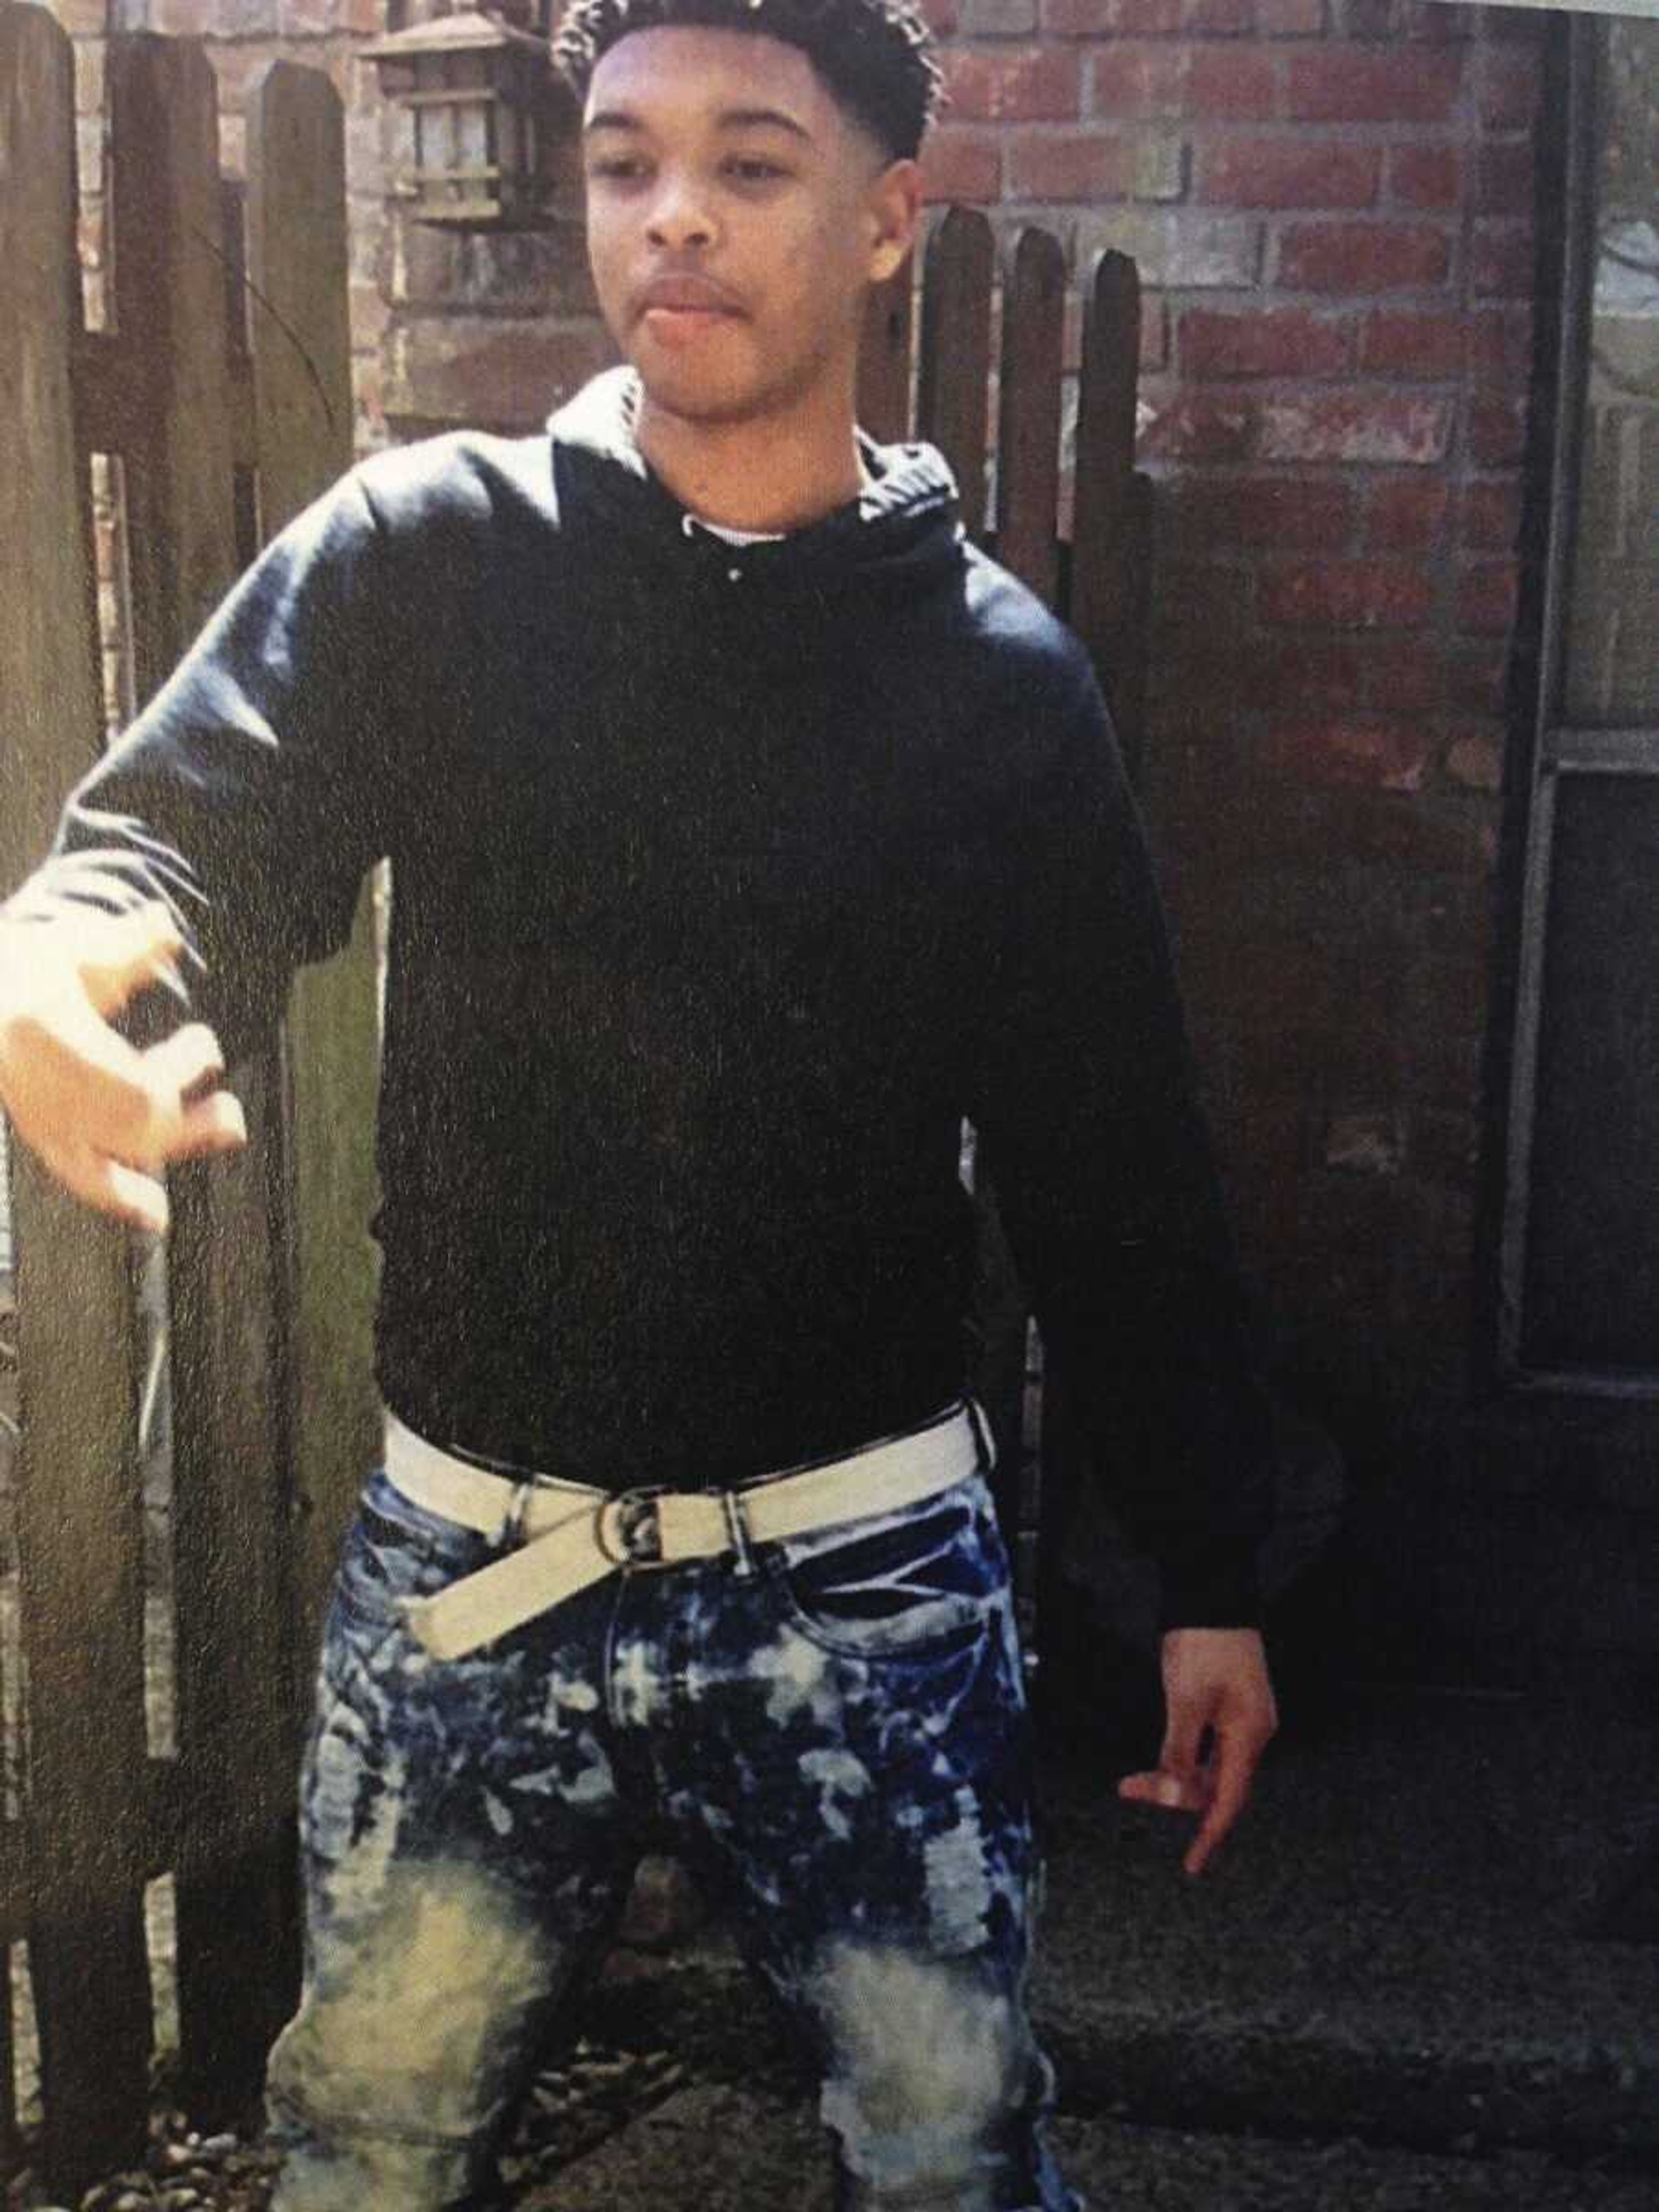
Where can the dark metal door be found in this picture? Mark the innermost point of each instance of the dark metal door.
(1578, 1307)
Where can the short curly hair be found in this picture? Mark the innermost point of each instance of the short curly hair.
(875, 55)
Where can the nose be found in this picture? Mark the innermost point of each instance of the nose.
(678, 219)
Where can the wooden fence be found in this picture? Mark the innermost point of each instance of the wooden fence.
(1097, 576)
(221, 398)
(222, 393)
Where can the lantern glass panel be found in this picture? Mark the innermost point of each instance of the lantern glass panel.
(473, 150)
(454, 155)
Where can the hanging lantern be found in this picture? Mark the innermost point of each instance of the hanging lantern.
(477, 88)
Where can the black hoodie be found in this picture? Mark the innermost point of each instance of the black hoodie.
(727, 880)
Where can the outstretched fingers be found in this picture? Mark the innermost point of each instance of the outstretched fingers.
(106, 1118)
(137, 1116)
(124, 954)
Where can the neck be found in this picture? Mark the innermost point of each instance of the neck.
(770, 476)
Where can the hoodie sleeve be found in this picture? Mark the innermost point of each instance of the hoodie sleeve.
(248, 795)
(1102, 1169)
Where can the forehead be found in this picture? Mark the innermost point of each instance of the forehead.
(678, 75)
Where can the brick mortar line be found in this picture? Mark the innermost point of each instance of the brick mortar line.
(1448, 135)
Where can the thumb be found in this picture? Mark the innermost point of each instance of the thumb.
(1157, 1787)
(120, 955)
(1178, 1781)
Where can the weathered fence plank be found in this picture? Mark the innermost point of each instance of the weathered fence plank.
(1028, 434)
(170, 320)
(9, 2142)
(1104, 534)
(885, 360)
(80, 1528)
(1108, 587)
(297, 262)
(231, 1498)
(109, 406)
(954, 411)
(1133, 643)
(953, 389)
(234, 1877)
(238, 387)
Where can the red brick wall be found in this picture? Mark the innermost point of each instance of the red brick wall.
(1331, 205)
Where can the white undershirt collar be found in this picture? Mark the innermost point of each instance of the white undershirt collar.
(692, 523)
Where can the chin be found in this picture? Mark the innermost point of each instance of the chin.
(700, 398)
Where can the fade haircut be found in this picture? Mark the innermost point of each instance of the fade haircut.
(875, 55)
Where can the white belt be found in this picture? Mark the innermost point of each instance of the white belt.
(567, 1537)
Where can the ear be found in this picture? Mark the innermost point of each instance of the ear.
(895, 212)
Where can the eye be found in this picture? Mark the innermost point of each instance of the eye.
(754, 169)
(616, 168)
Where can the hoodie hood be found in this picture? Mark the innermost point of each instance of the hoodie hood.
(901, 533)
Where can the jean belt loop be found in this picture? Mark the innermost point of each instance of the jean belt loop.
(982, 1437)
(512, 1531)
(738, 1527)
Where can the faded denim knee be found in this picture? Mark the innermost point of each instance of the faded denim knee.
(933, 2090)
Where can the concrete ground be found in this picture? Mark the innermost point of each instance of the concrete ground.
(728, 2150)
(1386, 1998)
(1396, 1943)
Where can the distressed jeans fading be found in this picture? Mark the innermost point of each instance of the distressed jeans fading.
(833, 1728)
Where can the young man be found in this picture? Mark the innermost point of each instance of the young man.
(748, 831)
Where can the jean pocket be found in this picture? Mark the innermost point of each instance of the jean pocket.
(923, 1582)
(397, 1549)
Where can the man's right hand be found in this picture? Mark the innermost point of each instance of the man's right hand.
(106, 1118)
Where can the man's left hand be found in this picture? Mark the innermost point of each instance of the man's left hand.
(1215, 1684)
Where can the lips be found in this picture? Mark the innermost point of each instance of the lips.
(691, 296)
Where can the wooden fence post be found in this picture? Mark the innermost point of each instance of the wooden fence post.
(1027, 543)
(885, 357)
(232, 1495)
(1028, 434)
(297, 266)
(1107, 558)
(80, 1526)
(1110, 552)
(953, 389)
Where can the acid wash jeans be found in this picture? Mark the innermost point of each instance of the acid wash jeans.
(833, 1728)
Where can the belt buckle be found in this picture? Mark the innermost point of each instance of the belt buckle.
(638, 1529)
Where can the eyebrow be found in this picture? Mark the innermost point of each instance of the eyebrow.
(730, 118)
(752, 119)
